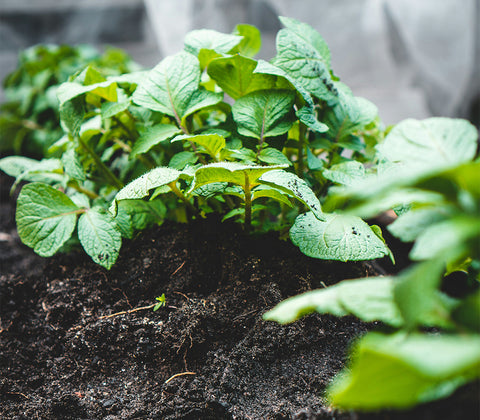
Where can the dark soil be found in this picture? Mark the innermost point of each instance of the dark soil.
(206, 355)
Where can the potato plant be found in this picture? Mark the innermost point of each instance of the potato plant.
(208, 130)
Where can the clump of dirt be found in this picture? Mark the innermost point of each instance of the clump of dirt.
(81, 342)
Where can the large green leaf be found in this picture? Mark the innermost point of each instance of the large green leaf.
(370, 299)
(153, 136)
(296, 187)
(45, 218)
(99, 236)
(345, 173)
(431, 143)
(172, 87)
(142, 186)
(235, 75)
(401, 371)
(418, 298)
(408, 226)
(447, 238)
(337, 237)
(304, 55)
(264, 113)
(233, 172)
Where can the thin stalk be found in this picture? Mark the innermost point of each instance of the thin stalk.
(108, 174)
(181, 196)
(301, 145)
(89, 193)
(127, 130)
(248, 204)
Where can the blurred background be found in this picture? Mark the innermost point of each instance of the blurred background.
(411, 58)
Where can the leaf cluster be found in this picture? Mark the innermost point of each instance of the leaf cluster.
(29, 119)
(428, 172)
(209, 129)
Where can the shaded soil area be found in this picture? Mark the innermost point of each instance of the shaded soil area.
(207, 354)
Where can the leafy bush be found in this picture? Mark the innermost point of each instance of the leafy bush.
(209, 129)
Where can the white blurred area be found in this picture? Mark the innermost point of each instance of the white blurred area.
(413, 58)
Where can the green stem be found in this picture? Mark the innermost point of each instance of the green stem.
(128, 132)
(109, 175)
(248, 204)
(301, 145)
(181, 196)
(89, 193)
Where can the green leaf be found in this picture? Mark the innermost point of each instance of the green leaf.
(265, 191)
(212, 143)
(400, 371)
(408, 226)
(152, 136)
(446, 239)
(251, 42)
(314, 163)
(141, 187)
(296, 187)
(264, 113)
(418, 298)
(209, 39)
(349, 115)
(369, 299)
(304, 55)
(72, 165)
(134, 215)
(45, 218)
(264, 67)
(110, 109)
(307, 116)
(273, 156)
(182, 159)
(99, 236)
(72, 114)
(172, 87)
(235, 75)
(345, 173)
(309, 35)
(70, 90)
(338, 237)
(431, 143)
(233, 172)
(48, 171)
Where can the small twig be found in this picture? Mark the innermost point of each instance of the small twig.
(177, 375)
(178, 269)
(18, 393)
(182, 294)
(142, 308)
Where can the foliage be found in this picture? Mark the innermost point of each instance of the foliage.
(29, 119)
(278, 145)
(429, 172)
(209, 129)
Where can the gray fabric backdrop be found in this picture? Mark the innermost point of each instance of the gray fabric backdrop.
(413, 58)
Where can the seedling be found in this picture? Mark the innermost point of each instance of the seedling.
(161, 302)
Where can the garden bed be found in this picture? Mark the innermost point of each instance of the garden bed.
(206, 355)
